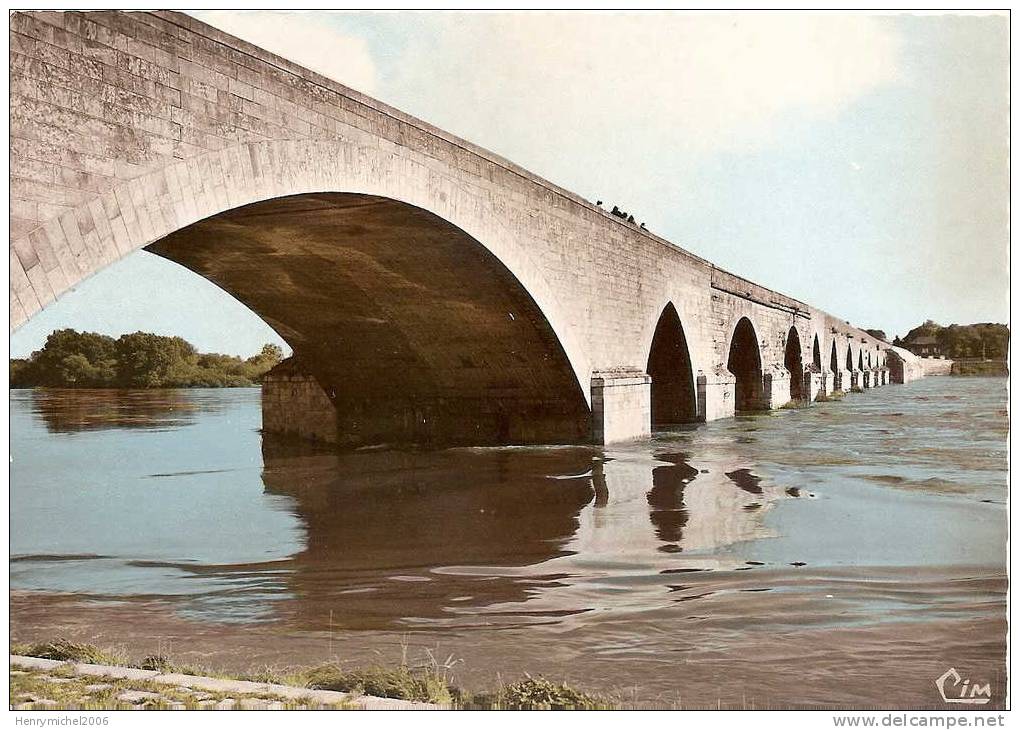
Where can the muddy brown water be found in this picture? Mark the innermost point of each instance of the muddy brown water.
(845, 554)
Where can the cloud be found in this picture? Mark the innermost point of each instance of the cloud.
(305, 39)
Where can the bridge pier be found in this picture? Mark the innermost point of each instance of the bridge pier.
(865, 379)
(819, 384)
(294, 404)
(777, 387)
(717, 394)
(621, 406)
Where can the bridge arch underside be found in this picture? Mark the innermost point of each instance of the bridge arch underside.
(673, 395)
(414, 330)
(793, 362)
(744, 361)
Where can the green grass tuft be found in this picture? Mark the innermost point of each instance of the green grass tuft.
(158, 663)
(65, 650)
(541, 694)
(402, 683)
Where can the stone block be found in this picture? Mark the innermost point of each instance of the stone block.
(776, 382)
(621, 406)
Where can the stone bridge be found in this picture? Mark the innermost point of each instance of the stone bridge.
(431, 290)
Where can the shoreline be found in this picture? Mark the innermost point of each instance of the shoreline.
(134, 687)
(889, 665)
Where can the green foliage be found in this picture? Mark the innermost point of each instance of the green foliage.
(878, 334)
(541, 694)
(401, 683)
(65, 650)
(986, 339)
(72, 359)
(158, 663)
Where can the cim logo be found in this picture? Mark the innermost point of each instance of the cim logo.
(955, 689)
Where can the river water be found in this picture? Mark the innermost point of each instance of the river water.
(845, 554)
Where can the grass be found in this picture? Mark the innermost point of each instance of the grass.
(835, 395)
(65, 650)
(539, 694)
(399, 683)
(428, 681)
(61, 692)
(795, 404)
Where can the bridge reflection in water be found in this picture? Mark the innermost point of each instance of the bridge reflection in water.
(501, 536)
(385, 539)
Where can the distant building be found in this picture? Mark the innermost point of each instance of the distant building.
(923, 346)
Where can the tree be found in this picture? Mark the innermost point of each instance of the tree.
(50, 366)
(145, 360)
(956, 341)
(72, 359)
(878, 334)
(269, 357)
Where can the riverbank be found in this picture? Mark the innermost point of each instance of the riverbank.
(69, 675)
(986, 368)
(811, 664)
(48, 684)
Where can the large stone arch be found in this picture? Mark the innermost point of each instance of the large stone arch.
(194, 194)
(674, 397)
(160, 202)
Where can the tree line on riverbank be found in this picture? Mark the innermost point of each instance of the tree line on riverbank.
(983, 340)
(72, 359)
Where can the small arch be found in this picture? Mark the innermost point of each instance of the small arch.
(816, 354)
(834, 359)
(744, 361)
(674, 399)
(793, 363)
(860, 360)
(849, 357)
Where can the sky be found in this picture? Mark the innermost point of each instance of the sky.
(858, 163)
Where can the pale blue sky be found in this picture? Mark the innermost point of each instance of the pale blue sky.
(857, 163)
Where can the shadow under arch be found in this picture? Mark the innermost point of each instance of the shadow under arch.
(816, 355)
(673, 395)
(744, 361)
(414, 330)
(794, 363)
(849, 357)
(834, 358)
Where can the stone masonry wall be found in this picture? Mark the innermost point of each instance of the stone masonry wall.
(294, 404)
